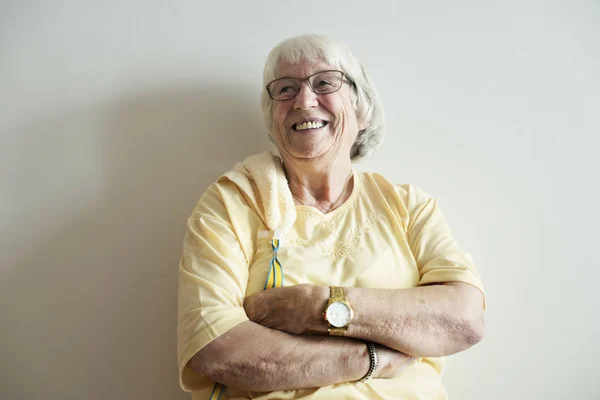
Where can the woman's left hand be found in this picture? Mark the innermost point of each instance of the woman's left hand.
(293, 309)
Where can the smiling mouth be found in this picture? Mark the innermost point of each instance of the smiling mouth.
(309, 125)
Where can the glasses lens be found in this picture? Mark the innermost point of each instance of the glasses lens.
(284, 88)
(327, 81)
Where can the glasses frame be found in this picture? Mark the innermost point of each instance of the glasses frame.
(307, 80)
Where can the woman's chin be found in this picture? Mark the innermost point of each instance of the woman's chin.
(308, 152)
(308, 145)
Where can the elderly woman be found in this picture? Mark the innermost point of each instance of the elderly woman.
(302, 278)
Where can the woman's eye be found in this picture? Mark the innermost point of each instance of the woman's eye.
(324, 83)
(324, 86)
(285, 89)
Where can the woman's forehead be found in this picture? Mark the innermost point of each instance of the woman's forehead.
(300, 70)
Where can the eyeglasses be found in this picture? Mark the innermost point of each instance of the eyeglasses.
(322, 82)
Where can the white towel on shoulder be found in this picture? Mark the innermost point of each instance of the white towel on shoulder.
(275, 197)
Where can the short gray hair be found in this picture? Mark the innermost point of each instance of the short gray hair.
(313, 48)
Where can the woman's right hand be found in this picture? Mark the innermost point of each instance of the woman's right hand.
(391, 362)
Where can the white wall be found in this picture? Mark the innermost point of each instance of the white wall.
(115, 116)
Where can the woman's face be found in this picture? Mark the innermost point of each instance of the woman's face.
(334, 111)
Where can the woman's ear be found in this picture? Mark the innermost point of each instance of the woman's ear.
(361, 121)
(362, 124)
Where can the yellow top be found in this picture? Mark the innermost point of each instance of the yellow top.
(383, 236)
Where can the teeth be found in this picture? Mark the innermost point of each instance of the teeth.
(309, 125)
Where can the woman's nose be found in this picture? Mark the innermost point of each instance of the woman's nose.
(306, 98)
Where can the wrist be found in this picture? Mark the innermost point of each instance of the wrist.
(357, 361)
(391, 362)
(320, 297)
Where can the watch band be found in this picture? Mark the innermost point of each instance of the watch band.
(333, 331)
(374, 359)
(336, 292)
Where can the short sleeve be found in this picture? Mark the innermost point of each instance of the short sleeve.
(213, 275)
(439, 258)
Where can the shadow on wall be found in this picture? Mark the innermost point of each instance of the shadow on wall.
(88, 302)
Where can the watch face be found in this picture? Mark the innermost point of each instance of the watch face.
(338, 314)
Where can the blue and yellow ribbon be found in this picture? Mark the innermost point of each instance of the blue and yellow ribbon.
(275, 276)
(274, 279)
(218, 390)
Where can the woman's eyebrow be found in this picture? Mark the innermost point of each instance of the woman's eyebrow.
(293, 77)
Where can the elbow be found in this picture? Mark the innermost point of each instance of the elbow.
(470, 313)
(473, 318)
(200, 363)
(219, 363)
(211, 361)
(474, 330)
(464, 331)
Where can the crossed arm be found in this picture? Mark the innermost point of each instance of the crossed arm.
(266, 359)
(282, 346)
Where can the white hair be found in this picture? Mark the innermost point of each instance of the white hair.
(314, 48)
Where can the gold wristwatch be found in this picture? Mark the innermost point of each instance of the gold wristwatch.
(338, 312)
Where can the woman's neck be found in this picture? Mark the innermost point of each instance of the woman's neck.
(324, 187)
